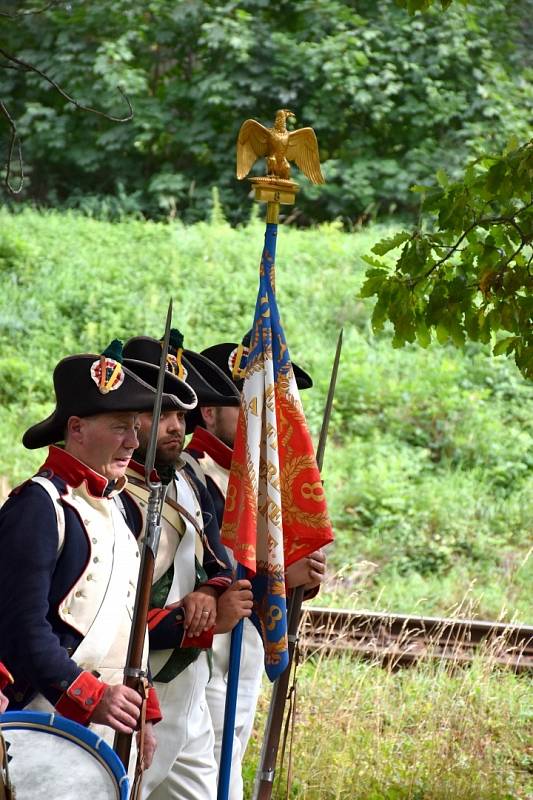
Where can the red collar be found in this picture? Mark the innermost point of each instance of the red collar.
(75, 472)
(138, 468)
(206, 442)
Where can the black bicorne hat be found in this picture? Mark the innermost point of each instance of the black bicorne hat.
(173, 387)
(207, 381)
(231, 358)
(89, 384)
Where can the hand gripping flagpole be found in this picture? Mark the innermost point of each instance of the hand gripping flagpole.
(279, 146)
(264, 780)
(134, 675)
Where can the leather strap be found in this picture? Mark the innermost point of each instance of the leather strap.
(288, 732)
(136, 787)
(173, 504)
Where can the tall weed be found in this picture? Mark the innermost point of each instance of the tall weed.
(425, 733)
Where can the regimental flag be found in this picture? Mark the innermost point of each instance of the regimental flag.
(275, 510)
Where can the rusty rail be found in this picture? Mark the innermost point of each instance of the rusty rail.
(399, 639)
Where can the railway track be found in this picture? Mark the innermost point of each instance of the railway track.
(399, 639)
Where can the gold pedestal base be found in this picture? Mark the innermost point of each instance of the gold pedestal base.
(274, 192)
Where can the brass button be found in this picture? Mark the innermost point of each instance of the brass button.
(96, 559)
(86, 521)
(78, 594)
(89, 577)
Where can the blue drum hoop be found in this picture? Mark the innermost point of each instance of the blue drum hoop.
(68, 729)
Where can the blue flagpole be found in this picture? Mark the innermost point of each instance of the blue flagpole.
(230, 710)
(224, 773)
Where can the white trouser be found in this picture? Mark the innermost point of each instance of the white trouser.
(184, 766)
(250, 675)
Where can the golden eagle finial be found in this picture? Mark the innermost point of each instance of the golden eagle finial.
(279, 146)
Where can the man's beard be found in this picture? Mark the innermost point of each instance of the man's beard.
(163, 458)
(170, 456)
(227, 440)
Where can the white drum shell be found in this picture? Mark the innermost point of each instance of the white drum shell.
(50, 764)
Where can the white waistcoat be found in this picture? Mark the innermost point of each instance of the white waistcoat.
(179, 544)
(100, 604)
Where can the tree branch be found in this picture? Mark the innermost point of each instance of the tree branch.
(27, 13)
(31, 68)
(482, 222)
(13, 142)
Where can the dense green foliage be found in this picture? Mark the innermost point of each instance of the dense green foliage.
(465, 271)
(391, 97)
(470, 274)
(363, 733)
(423, 5)
(429, 467)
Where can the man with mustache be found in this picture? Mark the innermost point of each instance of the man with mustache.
(193, 596)
(70, 563)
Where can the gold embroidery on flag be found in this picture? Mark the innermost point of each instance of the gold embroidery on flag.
(313, 491)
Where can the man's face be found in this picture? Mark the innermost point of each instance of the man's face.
(105, 442)
(222, 422)
(170, 436)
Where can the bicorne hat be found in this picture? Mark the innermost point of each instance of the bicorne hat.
(231, 358)
(185, 367)
(89, 384)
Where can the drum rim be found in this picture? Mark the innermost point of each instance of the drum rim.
(66, 728)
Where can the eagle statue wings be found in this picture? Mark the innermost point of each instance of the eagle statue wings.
(279, 146)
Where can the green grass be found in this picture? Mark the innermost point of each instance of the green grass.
(429, 465)
(427, 733)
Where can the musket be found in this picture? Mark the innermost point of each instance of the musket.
(264, 780)
(133, 672)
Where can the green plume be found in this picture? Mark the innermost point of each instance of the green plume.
(114, 351)
(176, 339)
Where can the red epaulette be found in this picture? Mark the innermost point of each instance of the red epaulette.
(43, 473)
(19, 488)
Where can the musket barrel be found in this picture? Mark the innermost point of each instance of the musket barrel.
(133, 674)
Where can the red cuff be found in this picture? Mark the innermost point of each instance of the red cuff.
(157, 615)
(204, 641)
(5, 677)
(81, 698)
(218, 584)
(153, 711)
